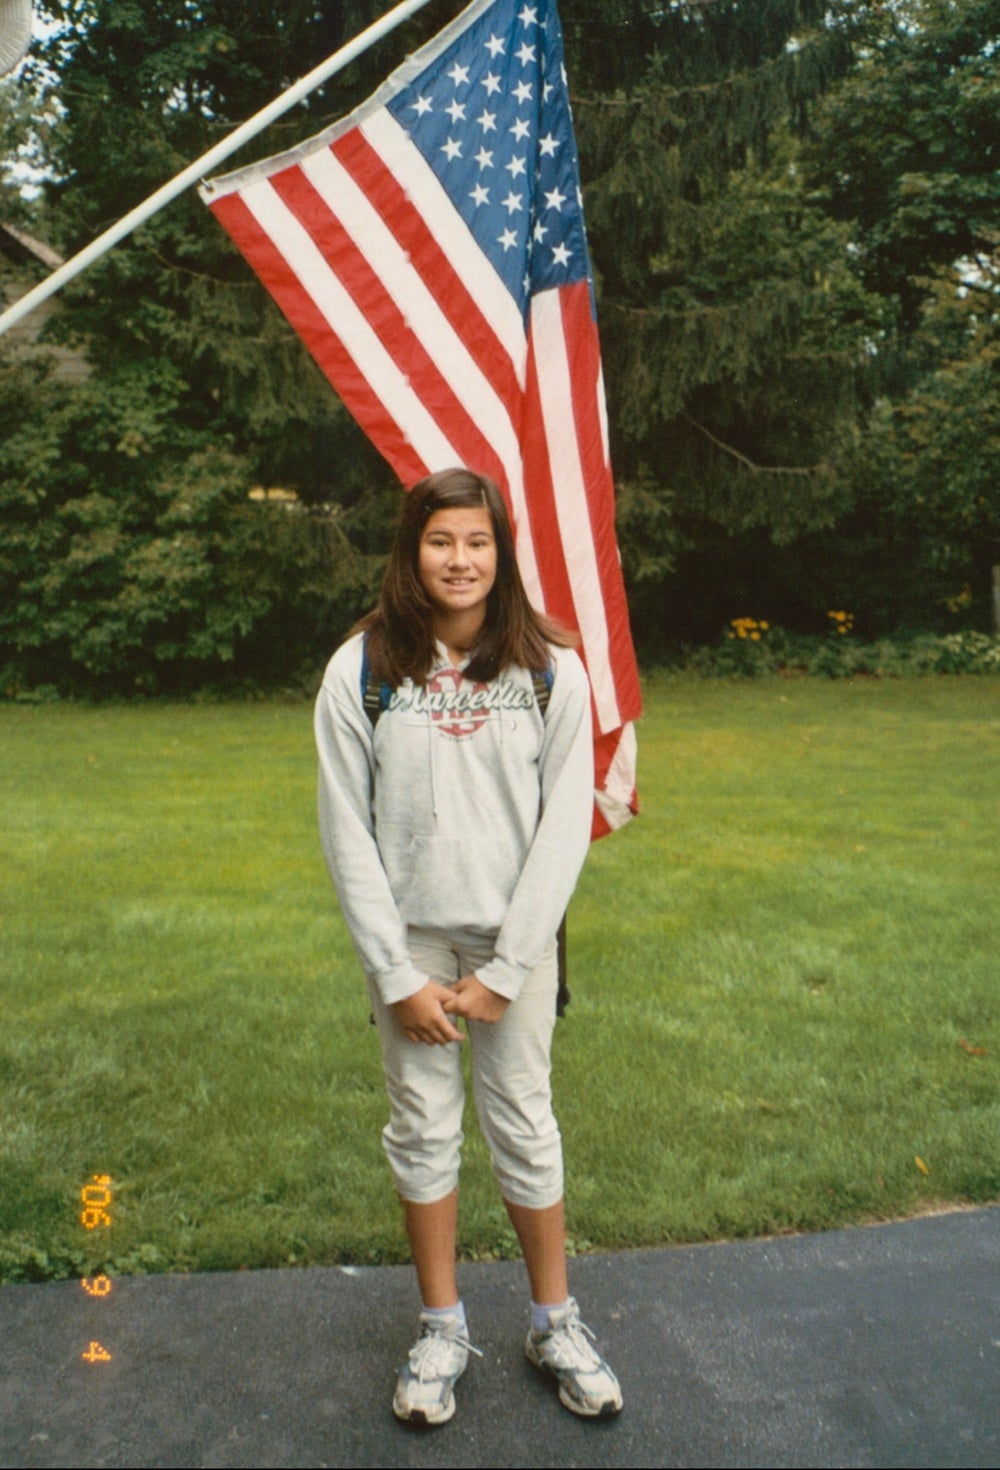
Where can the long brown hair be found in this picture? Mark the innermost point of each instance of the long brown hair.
(400, 628)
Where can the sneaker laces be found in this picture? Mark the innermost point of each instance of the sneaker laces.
(431, 1354)
(570, 1338)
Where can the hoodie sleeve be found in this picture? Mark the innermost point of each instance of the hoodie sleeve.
(562, 838)
(345, 743)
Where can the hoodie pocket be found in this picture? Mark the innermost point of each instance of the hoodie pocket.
(455, 883)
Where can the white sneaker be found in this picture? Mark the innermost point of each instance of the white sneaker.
(425, 1387)
(586, 1384)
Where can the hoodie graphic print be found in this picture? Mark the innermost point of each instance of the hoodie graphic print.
(457, 706)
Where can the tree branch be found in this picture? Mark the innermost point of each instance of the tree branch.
(755, 469)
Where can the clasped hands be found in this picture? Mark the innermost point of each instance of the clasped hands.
(425, 1016)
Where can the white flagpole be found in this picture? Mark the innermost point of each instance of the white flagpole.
(201, 166)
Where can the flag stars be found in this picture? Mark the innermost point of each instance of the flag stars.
(515, 189)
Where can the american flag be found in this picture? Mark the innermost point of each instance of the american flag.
(430, 250)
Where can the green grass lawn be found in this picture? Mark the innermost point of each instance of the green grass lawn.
(785, 1009)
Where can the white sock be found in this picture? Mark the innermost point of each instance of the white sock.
(440, 1313)
(541, 1315)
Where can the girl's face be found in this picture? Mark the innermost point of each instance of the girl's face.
(457, 561)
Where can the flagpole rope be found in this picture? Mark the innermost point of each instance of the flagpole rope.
(203, 165)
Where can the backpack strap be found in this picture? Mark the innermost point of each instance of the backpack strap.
(375, 694)
(542, 683)
(563, 996)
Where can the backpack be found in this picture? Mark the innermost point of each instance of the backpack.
(375, 696)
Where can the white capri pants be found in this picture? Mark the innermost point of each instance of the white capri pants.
(511, 1084)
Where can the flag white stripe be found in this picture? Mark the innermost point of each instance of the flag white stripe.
(381, 250)
(454, 239)
(602, 415)
(321, 284)
(614, 797)
(555, 389)
(620, 781)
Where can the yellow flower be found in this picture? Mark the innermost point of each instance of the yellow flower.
(748, 627)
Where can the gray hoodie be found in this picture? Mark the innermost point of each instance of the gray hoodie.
(462, 811)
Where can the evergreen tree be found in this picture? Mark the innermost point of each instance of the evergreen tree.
(734, 328)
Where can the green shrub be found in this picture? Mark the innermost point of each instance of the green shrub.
(750, 647)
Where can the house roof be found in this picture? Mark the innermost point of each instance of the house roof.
(21, 248)
(18, 248)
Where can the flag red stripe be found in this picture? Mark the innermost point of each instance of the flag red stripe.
(335, 361)
(580, 333)
(387, 195)
(388, 322)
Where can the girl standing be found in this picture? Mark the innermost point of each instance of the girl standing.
(455, 798)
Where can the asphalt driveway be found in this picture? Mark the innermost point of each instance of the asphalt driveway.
(875, 1346)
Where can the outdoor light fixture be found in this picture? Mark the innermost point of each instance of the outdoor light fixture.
(15, 32)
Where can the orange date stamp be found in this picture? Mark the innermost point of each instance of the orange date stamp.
(95, 1197)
